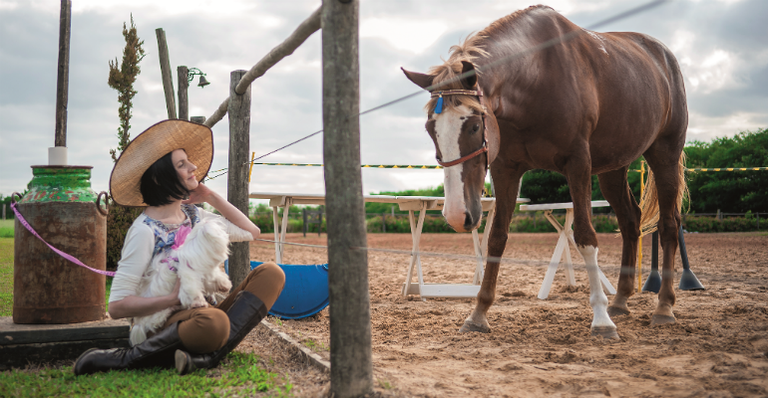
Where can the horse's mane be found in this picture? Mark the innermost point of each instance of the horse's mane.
(504, 22)
(445, 75)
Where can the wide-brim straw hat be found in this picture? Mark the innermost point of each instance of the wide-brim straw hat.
(152, 144)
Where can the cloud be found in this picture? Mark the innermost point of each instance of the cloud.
(403, 34)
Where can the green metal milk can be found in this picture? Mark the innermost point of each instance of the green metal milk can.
(61, 207)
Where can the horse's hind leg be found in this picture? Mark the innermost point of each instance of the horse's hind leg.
(616, 190)
(669, 183)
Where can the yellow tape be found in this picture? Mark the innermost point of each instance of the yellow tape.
(377, 166)
(430, 167)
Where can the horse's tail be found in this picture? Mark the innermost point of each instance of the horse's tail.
(649, 203)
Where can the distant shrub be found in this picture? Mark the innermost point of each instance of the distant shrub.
(729, 224)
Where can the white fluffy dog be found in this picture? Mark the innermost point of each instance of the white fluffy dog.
(195, 260)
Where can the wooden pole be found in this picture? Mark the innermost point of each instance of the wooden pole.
(165, 69)
(350, 315)
(237, 179)
(62, 82)
(284, 49)
(183, 72)
(640, 239)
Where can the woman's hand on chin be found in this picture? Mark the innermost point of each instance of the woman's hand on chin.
(201, 194)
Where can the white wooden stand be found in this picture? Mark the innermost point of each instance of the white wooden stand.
(566, 237)
(412, 204)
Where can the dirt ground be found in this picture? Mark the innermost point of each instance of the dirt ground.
(717, 348)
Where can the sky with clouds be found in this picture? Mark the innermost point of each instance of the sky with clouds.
(720, 45)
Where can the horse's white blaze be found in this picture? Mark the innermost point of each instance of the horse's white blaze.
(447, 130)
(597, 298)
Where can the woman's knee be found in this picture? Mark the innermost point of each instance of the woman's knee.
(274, 273)
(205, 332)
(266, 282)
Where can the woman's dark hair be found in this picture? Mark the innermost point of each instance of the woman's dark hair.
(160, 184)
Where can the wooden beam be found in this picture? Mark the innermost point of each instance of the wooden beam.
(165, 70)
(237, 179)
(350, 314)
(62, 82)
(183, 72)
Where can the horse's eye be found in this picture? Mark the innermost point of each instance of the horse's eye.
(475, 128)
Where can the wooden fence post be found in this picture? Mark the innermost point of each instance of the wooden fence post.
(239, 111)
(183, 73)
(165, 70)
(350, 323)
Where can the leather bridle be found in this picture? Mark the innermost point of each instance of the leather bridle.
(479, 94)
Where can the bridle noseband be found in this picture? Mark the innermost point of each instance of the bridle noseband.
(476, 93)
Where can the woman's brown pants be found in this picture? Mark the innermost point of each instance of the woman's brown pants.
(205, 330)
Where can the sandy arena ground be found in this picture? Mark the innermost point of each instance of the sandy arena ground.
(717, 348)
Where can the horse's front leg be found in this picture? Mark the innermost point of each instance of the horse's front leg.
(505, 186)
(616, 190)
(586, 241)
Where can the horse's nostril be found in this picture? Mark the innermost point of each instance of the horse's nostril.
(468, 221)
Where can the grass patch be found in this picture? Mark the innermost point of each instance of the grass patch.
(6, 228)
(315, 346)
(238, 375)
(6, 276)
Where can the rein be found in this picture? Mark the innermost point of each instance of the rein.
(69, 257)
(439, 109)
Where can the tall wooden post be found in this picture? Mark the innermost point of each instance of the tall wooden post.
(165, 70)
(62, 83)
(351, 363)
(183, 73)
(239, 110)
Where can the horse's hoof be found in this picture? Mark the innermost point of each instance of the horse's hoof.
(474, 327)
(617, 311)
(606, 332)
(662, 319)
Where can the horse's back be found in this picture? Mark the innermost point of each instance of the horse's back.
(662, 66)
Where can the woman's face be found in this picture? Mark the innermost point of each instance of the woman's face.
(184, 168)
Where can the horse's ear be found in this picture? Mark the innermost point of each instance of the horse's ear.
(419, 79)
(468, 82)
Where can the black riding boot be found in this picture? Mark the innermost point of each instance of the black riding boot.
(157, 350)
(244, 314)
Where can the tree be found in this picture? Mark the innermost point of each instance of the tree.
(729, 191)
(121, 78)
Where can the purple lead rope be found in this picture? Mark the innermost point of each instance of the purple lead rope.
(57, 251)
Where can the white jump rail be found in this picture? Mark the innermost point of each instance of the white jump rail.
(566, 236)
(412, 204)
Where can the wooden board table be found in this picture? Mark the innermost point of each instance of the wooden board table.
(412, 204)
(566, 237)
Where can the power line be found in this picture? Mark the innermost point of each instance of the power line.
(542, 46)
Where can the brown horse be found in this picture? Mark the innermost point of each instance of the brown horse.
(587, 105)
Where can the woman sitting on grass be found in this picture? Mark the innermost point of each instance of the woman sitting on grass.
(159, 169)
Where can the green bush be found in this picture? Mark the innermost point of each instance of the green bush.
(730, 224)
(119, 220)
(601, 222)
(264, 222)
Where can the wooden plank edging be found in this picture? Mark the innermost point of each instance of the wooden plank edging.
(315, 360)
